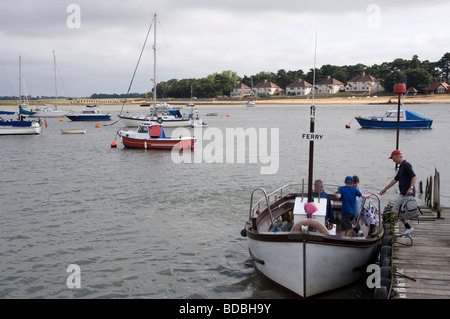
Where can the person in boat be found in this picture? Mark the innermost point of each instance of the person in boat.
(406, 179)
(358, 199)
(329, 217)
(348, 194)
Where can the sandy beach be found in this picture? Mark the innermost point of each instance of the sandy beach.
(116, 104)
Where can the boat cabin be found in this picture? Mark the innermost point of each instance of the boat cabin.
(154, 130)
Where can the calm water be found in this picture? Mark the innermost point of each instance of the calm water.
(141, 226)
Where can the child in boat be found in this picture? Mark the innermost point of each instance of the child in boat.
(348, 193)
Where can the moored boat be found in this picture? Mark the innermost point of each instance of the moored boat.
(408, 119)
(298, 252)
(150, 135)
(73, 131)
(18, 127)
(90, 113)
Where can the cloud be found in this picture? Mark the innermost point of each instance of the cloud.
(200, 37)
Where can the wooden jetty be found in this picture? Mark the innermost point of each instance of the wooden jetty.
(421, 264)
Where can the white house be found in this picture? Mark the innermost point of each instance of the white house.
(363, 83)
(300, 87)
(329, 85)
(266, 87)
(240, 90)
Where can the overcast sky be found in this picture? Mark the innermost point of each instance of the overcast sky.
(97, 42)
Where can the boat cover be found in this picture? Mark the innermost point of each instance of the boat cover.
(7, 112)
(413, 116)
(22, 111)
(175, 113)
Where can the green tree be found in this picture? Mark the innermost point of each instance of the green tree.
(419, 79)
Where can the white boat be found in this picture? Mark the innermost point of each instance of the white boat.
(18, 127)
(73, 131)
(301, 255)
(290, 244)
(250, 103)
(48, 111)
(171, 118)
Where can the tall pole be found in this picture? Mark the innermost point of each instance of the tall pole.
(399, 88)
(311, 129)
(154, 65)
(56, 89)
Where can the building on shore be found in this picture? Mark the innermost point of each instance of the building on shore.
(363, 83)
(299, 87)
(240, 90)
(329, 85)
(438, 87)
(266, 87)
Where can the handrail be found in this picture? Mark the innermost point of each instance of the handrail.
(267, 201)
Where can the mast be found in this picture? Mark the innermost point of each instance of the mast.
(20, 80)
(154, 65)
(56, 89)
(311, 129)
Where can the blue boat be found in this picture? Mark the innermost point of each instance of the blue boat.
(408, 119)
(90, 113)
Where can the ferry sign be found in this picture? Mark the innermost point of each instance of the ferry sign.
(312, 136)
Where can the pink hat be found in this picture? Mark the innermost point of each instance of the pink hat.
(395, 153)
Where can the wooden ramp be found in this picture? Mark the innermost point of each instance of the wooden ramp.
(421, 264)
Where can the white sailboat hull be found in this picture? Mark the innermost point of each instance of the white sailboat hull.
(34, 129)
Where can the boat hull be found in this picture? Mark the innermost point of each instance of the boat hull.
(32, 129)
(159, 143)
(73, 131)
(311, 265)
(93, 117)
(49, 114)
(369, 123)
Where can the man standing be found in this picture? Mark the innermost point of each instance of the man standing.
(406, 179)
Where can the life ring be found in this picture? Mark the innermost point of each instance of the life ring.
(310, 223)
(159, 120)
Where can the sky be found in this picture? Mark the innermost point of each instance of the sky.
(97, 43)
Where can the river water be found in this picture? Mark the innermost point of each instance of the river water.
(142, 224)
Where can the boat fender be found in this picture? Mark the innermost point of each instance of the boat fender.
(310, 223)
(159, 120)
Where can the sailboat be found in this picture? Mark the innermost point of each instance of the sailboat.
(19, 126)
(290, 244)
(251, 102)
(172, 118)
(48, 111)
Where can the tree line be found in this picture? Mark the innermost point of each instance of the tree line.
(414, 72)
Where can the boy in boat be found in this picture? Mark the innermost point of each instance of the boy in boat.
(348, 193)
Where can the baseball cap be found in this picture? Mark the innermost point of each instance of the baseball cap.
(395, 153)
(349, 179)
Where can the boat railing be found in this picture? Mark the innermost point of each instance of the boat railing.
(278, 193)
(267, 202)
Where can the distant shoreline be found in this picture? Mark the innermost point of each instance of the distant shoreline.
(134, 104)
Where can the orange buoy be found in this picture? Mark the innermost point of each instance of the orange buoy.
(98, 125)
(113, 144)
(228, 115)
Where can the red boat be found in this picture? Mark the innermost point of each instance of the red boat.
(151, 135)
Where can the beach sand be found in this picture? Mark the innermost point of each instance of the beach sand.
(116, 104)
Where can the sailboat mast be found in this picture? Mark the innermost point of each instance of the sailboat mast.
(56, 89)
(311, 129)
(154, 65)
(20, 79)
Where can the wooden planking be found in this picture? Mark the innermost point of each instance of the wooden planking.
(422, 270)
